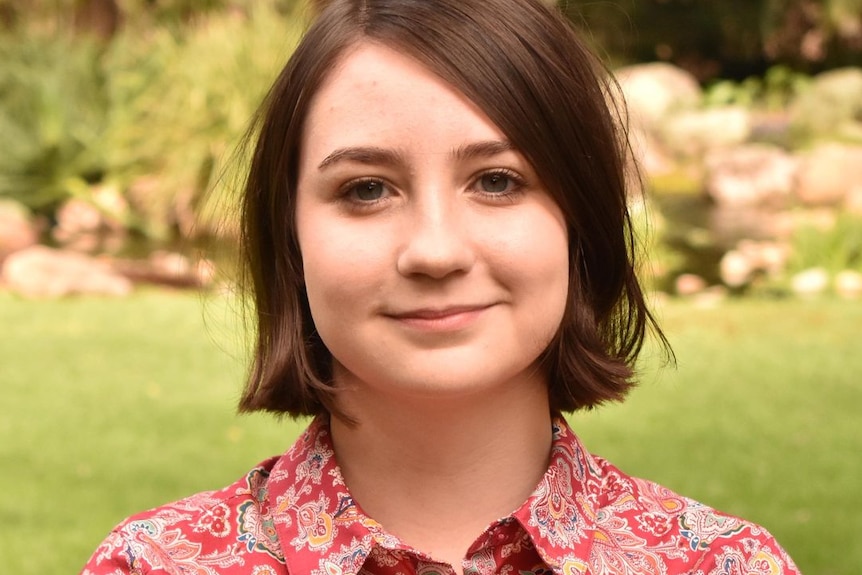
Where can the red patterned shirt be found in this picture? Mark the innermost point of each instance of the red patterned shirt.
(294, 515)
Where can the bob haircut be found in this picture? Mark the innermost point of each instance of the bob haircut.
(525, 67)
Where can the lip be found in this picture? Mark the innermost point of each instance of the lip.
(450, 318)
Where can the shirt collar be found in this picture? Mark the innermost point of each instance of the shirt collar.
(560, 515)
(324, 532)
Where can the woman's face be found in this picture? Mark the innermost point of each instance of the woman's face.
(435, 262)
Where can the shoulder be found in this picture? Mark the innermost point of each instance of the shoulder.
(211, 530)
(659, 531)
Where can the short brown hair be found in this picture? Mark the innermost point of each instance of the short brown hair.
(526, 68)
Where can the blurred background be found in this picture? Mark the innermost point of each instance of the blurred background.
(120, 121)
(120, 163)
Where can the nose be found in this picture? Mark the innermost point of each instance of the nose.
(437, 241)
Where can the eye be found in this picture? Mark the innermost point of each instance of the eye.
(495, 182)
(366, 191)
(499, 183)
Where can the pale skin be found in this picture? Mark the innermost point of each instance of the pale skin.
(436, 270)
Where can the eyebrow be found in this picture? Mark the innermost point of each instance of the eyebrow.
(362, 155)
(387, 157)
(482, 149)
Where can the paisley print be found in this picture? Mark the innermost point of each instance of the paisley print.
(256, 530)
(701, 526)
(294, 515)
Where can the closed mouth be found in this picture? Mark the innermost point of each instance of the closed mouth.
(441, 321)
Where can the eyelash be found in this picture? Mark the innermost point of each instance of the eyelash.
(517, 181)
(346, 194)
(518, 184)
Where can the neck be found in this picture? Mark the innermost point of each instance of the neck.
(437, 471)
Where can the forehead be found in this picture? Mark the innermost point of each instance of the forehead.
(375, 90)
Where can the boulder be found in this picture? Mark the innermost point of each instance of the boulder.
(750, 175)
(651, 156)
(853, 201)
(39, 271)
(736, 269)
(828, 173)
(848, 284)
(750, 259)
(810, 282)
(689, 284)
(17, 230)
(694, 132)
(830, 106)
(169, 269)
(654, 90)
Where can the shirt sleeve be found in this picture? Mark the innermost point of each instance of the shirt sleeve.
(756, 552)
(112, 557)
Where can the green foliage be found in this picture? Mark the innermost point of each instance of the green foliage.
(156, 113)
(180, 106)
(830, 107)
(658, 259)
(837, 247)
(772, 93)
(53, 117)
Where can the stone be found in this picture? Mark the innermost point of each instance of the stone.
(827, 173)
(693, 132)
(810, 282)
(75, 217)
(42, 272)
(168, 269)
(831, 106)
(17, 229)
(736, 269)
(853, 201)
(689, 284)
(751, 259)
(654, 90)
(650, 155)
(750, 175)
(765, 256)
(848, 284)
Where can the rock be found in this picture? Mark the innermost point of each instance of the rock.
(653, 90)
(765, 256)
(848, 284)
(830, 106)
(750, 175)
(694, 132)
(828, 173)
(689, 284)
(169, 269)
(736, 269)
(853, 201)
(651, 156)
(39, 271)
(76, 217)
(750, 259)
(17, 230)
(810, 282)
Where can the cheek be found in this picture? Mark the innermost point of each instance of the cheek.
(339, 271)
(534, 250)
(536, 256)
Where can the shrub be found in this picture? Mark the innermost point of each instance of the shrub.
(180, 106)
(53, 117)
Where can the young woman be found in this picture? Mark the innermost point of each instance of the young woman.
(440, 255)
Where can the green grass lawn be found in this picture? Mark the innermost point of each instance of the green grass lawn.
(113, 406)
